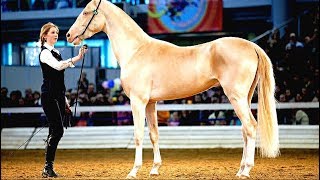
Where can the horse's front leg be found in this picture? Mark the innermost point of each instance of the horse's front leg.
(154, 136)
(138, 111)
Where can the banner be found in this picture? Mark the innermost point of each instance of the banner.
(181, 16)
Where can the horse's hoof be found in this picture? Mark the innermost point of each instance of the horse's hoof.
(131, 176)
(154, 173)
(238, 175)
(243, 176)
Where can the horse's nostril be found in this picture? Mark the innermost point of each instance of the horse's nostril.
(68, 34)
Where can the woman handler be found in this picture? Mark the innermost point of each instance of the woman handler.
(53, 100)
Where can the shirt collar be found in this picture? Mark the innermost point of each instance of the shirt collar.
(48, 46)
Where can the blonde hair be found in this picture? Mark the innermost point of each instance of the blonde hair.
(44, 31)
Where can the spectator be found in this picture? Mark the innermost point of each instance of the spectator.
(301, 118)
(293, 43)
(24, 6)
(174, 119)
(83, 82)
(29, 101)
(163, 116)
(275, 45)
(73, 96)
(91, 91)
(221, 119)
(8, 6)
(316, 96)
(38, 5)
(5, 100)
(14, 98)
(102, 118)
(21, 103)
(308, 45)
(288, 96)
(61, 4)
(212, 118)
(185, 119)
(235, 120)
(83, 3)
(51, 4)
(306, 95)
(197, 116)
(297, 61)
(123, 118)
(36, 97)
(284, 115)
(298, 98)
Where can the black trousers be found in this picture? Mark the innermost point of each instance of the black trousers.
(54, 108)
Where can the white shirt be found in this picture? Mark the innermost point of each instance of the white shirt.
(47, 57)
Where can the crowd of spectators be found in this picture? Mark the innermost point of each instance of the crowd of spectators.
(24, 5)
(296, 68)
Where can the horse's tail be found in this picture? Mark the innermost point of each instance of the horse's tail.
(267, 116)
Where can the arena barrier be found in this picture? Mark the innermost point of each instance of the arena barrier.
(291, 136)
(170, 107)
(171, 137)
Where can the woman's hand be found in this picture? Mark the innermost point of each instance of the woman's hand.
(82, 51)
(68, 109)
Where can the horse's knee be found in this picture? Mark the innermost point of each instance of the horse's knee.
(138, 139)
(154, 137)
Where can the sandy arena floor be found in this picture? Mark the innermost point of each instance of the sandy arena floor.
(177, 164)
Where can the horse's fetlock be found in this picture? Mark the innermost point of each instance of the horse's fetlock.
(249, 165)
(157, 163)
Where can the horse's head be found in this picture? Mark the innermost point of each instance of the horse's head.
(89, 22)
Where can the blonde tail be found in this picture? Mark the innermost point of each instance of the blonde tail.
(267, 116)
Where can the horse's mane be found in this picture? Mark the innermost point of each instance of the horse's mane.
(127, 21)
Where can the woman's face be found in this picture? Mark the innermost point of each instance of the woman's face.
(52, 36)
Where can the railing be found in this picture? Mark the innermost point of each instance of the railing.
(301, 137)
(217, 136)
(281, 26)
(163, 107)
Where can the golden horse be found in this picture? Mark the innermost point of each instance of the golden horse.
(154, 70)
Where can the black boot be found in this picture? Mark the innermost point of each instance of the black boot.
(48, 171)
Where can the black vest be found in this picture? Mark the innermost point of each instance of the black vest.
(53, 80)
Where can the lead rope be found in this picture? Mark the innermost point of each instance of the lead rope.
(27, 141)
(75, 104)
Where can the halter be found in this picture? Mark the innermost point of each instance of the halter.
(95, 12)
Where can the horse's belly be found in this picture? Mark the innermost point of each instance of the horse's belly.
(181, 91)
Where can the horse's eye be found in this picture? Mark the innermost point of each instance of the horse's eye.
(85, 13)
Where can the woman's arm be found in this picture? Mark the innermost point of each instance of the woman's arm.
(47, 57)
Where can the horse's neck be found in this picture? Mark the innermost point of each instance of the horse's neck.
(125, 35)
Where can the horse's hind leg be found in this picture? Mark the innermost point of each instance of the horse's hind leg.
(243, 160)
(154, 136)
(244, 154)
(249, 126)
(139, 113)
